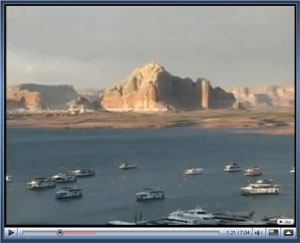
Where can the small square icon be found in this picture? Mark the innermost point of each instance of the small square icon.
(259, 233)
(273, 232)
(288, 232)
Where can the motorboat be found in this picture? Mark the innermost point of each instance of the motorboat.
(179, 219)
(207, 218)
(292, 170)
(8, 178)
(83, 172)
(138, 220)
(253, 171)
(127, 166)
(150, 194)
(68, 192)
(228, 217)
(260, 187)
(62, 178)
(195, 216)
(193, 171)
(232, 167)
(40, 183)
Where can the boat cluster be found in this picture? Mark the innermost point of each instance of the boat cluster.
(199, 216)
(64, 192)
(260, 187)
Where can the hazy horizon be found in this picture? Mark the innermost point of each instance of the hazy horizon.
(98, 47)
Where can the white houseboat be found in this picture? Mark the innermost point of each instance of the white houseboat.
(62, 178)
(83, 172)
(260, 187)
(68, 192)
(232, 167)
(253, 171)
(150, 194)
(127, 166)
(40, 183)
(193, 171)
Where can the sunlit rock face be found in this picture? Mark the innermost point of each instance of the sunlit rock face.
(152, 88)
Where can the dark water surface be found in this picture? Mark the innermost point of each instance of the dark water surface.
(162, 155)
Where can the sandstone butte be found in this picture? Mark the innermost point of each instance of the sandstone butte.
(152, 88)
(148, 89)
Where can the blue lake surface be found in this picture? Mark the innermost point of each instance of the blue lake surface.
(162, 156)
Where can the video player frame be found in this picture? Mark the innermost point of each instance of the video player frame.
(278, 228)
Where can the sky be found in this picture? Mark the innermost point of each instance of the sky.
(97, 47)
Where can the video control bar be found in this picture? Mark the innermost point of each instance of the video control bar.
(150, 233)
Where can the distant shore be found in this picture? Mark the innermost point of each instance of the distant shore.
(205, 119)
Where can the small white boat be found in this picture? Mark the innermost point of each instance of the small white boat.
(62, 178)
(40, 183)
(193, 171)
(292, 170)
(8, 178)
(253, 171)
(150, 194)
(127, 166)
(260, 187)
(68, 192)
(232, 167)
(83, 172)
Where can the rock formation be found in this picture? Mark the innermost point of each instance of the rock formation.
(36, 96)
(272, 96)
(152, 88)
(84, 101)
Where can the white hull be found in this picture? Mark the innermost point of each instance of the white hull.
(68, 196)
(196, 171)
(195, 216)
(253, 171)
(83, 173)
(67, 193)
(127, 166)
(155, 197)
(232, 169)
(63, 178)
(150, 194)
(43, 186)
(260, 191)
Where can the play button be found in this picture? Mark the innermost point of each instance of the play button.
(11, 233)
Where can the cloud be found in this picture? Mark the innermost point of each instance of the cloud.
(98, 46)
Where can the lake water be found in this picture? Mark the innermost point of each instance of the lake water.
(162, 156)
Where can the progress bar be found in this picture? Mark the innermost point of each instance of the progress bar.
(36, 233)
